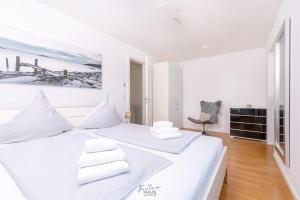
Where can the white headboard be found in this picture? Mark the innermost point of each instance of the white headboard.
(16, 96)
(73, 114)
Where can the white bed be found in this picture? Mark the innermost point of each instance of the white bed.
(197, 173)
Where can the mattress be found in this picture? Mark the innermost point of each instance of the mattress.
(187, 178)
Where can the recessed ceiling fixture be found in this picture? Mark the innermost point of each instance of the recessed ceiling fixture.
(177, 20)
(163, 4)
(171, 20)
(204, 47)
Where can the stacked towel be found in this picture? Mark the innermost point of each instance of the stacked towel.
(99, 172)
(96, 145)
(164, 130)
(100, 159)
(162, 124)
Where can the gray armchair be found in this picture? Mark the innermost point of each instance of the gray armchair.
(209, 114)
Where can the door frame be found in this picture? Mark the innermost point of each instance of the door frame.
(144, 61)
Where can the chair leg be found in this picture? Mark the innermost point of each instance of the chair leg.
(225, 178)
(203, 132)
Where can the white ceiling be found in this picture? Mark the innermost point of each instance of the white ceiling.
(178, 29)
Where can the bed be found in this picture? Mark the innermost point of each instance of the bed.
(202, 168)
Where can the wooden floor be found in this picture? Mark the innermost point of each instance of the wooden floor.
(252, 172)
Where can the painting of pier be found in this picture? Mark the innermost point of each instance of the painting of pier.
(66, 66)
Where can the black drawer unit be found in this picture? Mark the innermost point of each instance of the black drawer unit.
(248, 123)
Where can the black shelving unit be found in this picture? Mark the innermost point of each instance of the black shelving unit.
(249, 123)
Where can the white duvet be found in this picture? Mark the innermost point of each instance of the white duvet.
(186, 178)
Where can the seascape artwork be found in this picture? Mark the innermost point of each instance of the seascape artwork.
(23, 62)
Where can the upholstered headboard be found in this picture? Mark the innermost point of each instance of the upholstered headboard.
(73, 114)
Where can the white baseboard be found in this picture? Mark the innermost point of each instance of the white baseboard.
(269, 142)
(282, 169)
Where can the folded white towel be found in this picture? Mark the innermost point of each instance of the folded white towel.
(167, 136)
(100, 144)
(91, 159)
(161, 124)
(164, 130)
(99, 172)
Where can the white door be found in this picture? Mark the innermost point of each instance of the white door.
(147, 92)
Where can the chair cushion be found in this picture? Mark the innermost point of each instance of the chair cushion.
(205, 116)
(212, 108)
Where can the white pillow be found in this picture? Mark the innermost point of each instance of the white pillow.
(103, 116)
(37, 120)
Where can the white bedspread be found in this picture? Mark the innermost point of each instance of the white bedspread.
(186, 178)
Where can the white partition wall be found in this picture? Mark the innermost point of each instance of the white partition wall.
(167, 93)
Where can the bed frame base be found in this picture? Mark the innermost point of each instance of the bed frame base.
(219, 176)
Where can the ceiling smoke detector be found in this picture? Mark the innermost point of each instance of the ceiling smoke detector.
(169, 12)
(171, 20)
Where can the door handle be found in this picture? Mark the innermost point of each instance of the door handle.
(147, 99)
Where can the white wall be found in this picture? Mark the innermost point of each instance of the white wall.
(291, 8)
(167, 93)
(40, 20)
(161, 91)
(237, 79)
